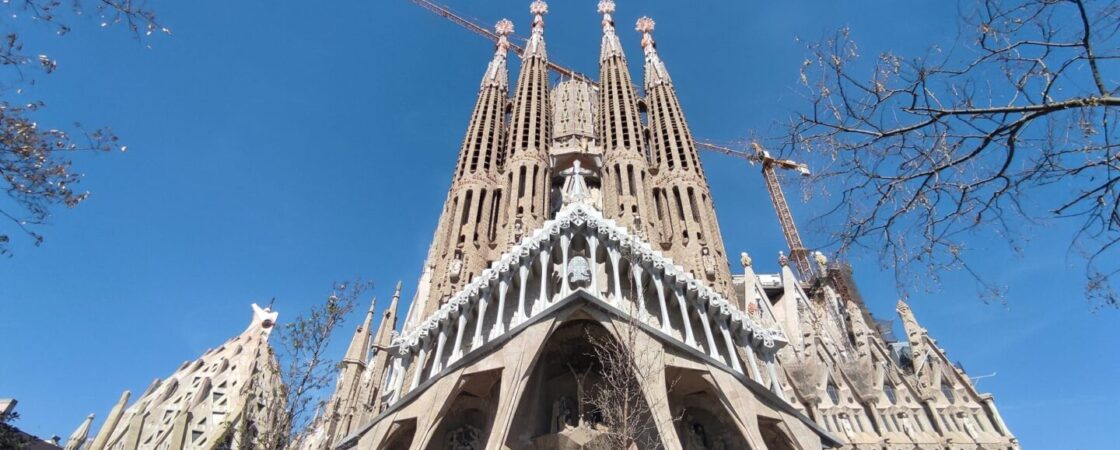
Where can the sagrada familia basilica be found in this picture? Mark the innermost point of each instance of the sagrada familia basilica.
(579, 214)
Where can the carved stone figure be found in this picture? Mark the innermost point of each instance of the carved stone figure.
(518, 231)
(455, 269)
(709, 263)
(465, 437)
(575, 188)
(745, 259)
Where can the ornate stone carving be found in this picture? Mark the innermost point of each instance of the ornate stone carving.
(579, 271)
(465, 437)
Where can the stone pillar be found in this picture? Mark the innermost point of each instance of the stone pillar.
(546, 278)
(483, 299)
(565, 242)
(660, 285)
(424, 343)
(437, 365)
(732, 355)
(639, 297)
(689, 339)
(499, 324)
(705, 322)
(593, 248)
(457, 349)
(617, 294)
(523, 273)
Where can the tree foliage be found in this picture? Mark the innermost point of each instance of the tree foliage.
(10, 437)
(1013, 126)
(36, 169)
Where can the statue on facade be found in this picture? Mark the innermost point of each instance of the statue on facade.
(518, 231)
(455, 268)
(709, 263)
(575, 188)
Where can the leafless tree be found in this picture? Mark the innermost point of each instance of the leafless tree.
(616, 398)
(305, 368)
(35, 159)
(1012, 126)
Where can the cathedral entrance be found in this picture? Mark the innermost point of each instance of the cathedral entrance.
(560, 408)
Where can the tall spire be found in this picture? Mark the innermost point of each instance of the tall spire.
(626, 167)
(469, 225)
(530, 133)
(359, 344)
(374, 376)
(687, 217)
(655, 68)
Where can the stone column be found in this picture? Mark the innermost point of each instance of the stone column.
(639, 298)
(617, 294)
(457, 349)
(424, 343)
(398, 378)
(499, 325)
(437, 365)
(565, 242)
(753, 363)
(523, 273)
(593, 248)
(771, 368)
(689, 339)
(483, 299)
(546, 278)
(705, 322)
(660, 285)
(732, 355)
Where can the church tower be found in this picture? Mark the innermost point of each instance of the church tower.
(572, 225)
(626, 180)
(689, 230)
(527, 178)
(469, 226)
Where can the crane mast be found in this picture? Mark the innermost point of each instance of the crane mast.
(797, 249)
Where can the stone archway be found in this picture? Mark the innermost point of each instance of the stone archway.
(467, 422)
(556, 410)
(400, 435)
(773, 436)
(702, 420)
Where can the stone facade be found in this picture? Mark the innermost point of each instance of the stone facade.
(573, 217)
(225, 399)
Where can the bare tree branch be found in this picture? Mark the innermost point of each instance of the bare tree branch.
(1010, 129)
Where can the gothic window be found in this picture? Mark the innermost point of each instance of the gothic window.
(833, 393)
(521, 184)
(888, 390)
(630, 178)
(947, 391)
(695, 207)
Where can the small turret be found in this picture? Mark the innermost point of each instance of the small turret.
(80, 435)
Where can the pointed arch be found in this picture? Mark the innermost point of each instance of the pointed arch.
(556, 401)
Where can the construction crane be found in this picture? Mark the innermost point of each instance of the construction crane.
(796, 248)
(484, 32)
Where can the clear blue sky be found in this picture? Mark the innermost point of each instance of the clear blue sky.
(277, 146)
